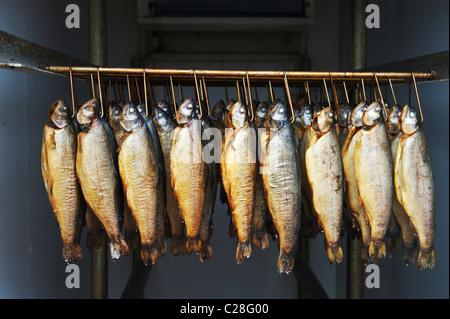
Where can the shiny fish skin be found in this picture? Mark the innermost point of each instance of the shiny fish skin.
(238, 167)
(281, 179)
(399, 215)
(414, 184)
(188, 173)
(130, 229)
(98, 174)
(358, 215)
(374, 177)
(326, 179)
(58, 158)
(165, 125)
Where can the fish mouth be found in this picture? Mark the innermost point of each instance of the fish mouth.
(130, 118)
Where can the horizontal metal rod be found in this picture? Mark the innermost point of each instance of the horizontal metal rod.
(230, 75)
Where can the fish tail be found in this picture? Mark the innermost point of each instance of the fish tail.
(72, 252)
(285, 264)
(377, 249)
(426, 259)
(193, 244)
(410, 253)
(206, 252)
(94, 238)
(149, 253)
(243, 250)
(261, 240)
(160, 246)
(178, 245)
(334, 253)
(119, 247)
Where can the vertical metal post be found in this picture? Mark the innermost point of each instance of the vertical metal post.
(97, 56)
(355, 267)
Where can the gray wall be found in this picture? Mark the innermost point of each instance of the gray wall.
(31, 265)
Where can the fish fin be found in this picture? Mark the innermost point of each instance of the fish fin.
(243, 250)
(261, 240)
(119, 247)
(426, 259)
(178, 245)
(206, 252)
(148, 253)
(285, 264)
(334, 253)
(377, 250)
(193, 245)
(72, 252)
(410, 253)
(232, 231)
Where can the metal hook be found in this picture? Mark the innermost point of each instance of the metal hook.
(198, 95)
(174, 103)
(363, 89)
(346, 94)
(145, 97)
(245, 91)
(100, 91)
(129, 91)
(326, 91)
(137, 90)
(72, 91)
(206, 95)
(180, 90)
(393, 94)
(93, 87)
(226, 93)
(417, 96)
(333, 91)
(381, 95)
(238, 91)
(152, 101)
(251, 98)
(271, 92)
(289, 97)
(308, 93)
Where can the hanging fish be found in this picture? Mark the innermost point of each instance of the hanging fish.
(188, 172)
(281, 179)
(414, 184)
(239, 175)
(160, 242)
(261, 211)
(309, 221)
(326, 179)
(130, 229)
(342, 124)
(59, 150)
(357, 214)
(98, 173)
(165, 125)
(141, 178)
(374, 177)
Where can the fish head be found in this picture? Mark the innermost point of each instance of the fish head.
(357, 114)
(344, 115)
(278, 116)
(409, 120)
(393, 119)
(373, 114)
(230, 104)
(324, 120)
(88, 111)
(165, 106)
(261, 112)
(60, 114)
(114, 113)
(238, 115)
(306, 115)
(186, 111)
(217, 110)
(317, 108)
(130, 118)
(141, 108)
(162, 119)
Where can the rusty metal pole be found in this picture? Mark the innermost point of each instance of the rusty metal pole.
(355, 267)
(97, 56)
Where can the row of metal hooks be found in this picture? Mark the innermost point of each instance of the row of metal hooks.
(202, 92)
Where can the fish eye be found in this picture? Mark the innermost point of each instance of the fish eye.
(116, 112)
(307, 111)
(263, 109)
(189, 106)
(281, 110)
(330, 114)
(377, 108)
(64, 108)
(412, 114)
(160, 114)
(131, 110)
(242, 110)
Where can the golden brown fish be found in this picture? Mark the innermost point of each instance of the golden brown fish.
(414, 184)
(326, 179)
(188, 172)
(400, 218)
(238, 167)
(130, 229)
(59, 150)
(165, 125)
(374, 177)
(141, 178)
(357, 213)
(281, 179)
(98, 173)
